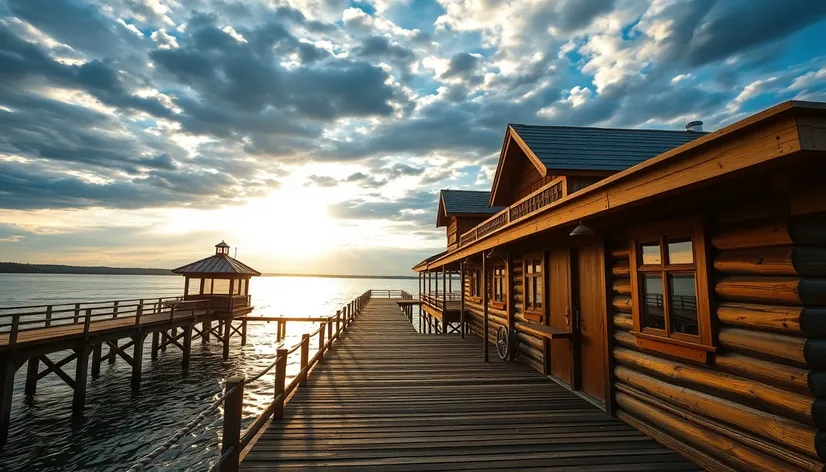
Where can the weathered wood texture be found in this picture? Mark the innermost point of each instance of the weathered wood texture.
(388, 398)
(760, 401)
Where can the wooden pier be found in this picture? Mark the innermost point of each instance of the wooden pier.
(388, 398)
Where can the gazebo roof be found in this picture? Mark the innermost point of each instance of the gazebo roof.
(218, 264)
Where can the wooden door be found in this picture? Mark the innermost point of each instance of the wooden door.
(559, 273)
(590, 287)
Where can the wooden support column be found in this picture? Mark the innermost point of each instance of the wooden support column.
(8, 367)
(112, 355)
(329, 324)
(244, 332)
(227, 334)
(305, 358)
(81, 372)
(485, 303)
(137, 360)
(321, 343)
(154, 348)
(96, 360)
(233, 411)
(338, 323)
(462, 299)
(280, 382)
(187, 347)
(31, 376)
(206, 327)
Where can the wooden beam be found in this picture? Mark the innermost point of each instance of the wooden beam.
(81, 372)
(137, 360)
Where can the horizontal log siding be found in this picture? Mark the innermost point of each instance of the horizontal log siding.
(760, 402)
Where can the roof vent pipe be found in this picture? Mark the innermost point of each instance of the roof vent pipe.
(694, 126)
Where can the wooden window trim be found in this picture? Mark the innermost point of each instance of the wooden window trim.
(677, 344)
(493, 279)
(532, 312)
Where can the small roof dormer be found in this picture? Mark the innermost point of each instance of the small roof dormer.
(222, 248)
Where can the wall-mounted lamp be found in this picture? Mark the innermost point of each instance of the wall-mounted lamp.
(582, 230)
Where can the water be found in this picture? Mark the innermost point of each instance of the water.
(118, 426)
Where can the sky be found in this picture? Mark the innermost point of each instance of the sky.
(314, 135)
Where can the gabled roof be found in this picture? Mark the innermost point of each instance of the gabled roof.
(563, 150)
(575, 148)
(217, 264)
(463, 202)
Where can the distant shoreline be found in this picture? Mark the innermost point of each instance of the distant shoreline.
(18, 268)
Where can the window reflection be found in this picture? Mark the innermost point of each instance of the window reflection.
(651, 254)
(683, 304)
(654, 312)
(680, 251)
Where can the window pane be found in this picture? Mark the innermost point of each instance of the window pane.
(207, 286)
(530, 267)
(683, 304)
(538, 296)
(237, 287)
(653, 310)
(220, 287)
(194, 287)
(651, 254)
(679, 251)
(538, 266)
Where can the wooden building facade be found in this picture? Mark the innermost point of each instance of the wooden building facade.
(676, 280)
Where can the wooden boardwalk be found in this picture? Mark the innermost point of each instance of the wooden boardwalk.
(389, 398)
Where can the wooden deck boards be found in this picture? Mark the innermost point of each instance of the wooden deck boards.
(388, 398)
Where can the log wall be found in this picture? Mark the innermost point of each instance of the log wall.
(759, 403)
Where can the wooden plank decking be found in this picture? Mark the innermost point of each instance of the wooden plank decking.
(388, 398)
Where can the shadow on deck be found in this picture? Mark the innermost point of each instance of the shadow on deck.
(388, 398)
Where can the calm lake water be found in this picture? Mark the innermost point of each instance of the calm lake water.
(118, 426)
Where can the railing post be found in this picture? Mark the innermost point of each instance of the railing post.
(329, 324)
(139, 312)
(15, 326)
(158, 308)
(305, 358)
(321, 342)
(87, 320)
(172, 312)
(280, 382)
(77, 313)
(48, 316)
(233, 405)
(115, 309)
(338, 323)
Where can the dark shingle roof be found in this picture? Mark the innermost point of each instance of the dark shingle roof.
(574, 148)
(217, 264)
(468, 201)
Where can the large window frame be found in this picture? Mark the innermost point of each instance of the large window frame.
(475, 284)
(533, 280)
(664, 338)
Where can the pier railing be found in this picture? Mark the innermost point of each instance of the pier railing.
(16, 321)
(234, 440)
(439, 300)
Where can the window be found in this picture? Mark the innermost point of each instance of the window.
(498, 281)
(237, 287)
(243, 286)
(194, 286)
(532, 270)
(220, 287)
(670, 290)
(207, 286)
(474, 284)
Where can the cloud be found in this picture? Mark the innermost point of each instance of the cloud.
(164, 40)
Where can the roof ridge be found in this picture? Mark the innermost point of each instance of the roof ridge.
(608, 129)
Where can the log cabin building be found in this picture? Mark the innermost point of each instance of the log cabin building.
(674, 279)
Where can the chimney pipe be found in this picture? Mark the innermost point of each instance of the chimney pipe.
(694, 126)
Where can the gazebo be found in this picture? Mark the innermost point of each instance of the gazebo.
(221, 278)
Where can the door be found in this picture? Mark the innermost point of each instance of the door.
(559, 273)
(590, 287)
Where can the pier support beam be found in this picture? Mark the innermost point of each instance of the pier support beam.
(8, 367)
(96, 360)
(206, 327)
(243, 332)
(81, 372)
(226, 339)
(154, 346)
(137, 360)
(112, 355)
(187, 347)
(31, 376)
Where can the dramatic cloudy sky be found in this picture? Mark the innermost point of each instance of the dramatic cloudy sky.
(315, 134)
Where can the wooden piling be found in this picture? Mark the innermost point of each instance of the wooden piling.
(280, 382)
(7, 370)
(231, 438)
(97, 351)
(31, 376)
(227, 332)
(112, 354)
(305, 358)
(338, 323)
(321, 343)
(243, 332)
(206, 327)
(154, 347)
(187, 347)
(81, 372)
(329, 324)
(137, 360)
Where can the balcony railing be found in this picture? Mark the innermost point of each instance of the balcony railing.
(528, 205)
(439, 300)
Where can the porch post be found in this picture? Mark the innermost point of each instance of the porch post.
(485, 303)
(462, 298)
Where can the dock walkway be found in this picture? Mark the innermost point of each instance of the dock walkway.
(389, 398)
